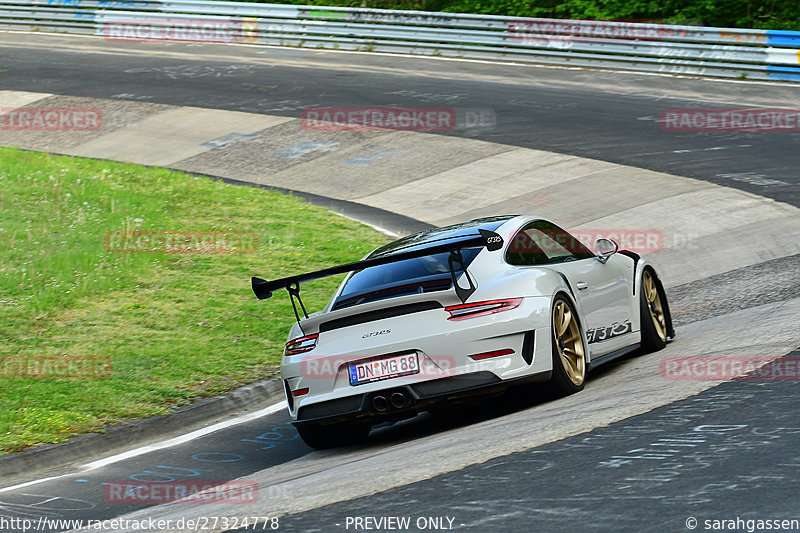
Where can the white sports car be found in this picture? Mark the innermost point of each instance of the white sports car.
(460, 311)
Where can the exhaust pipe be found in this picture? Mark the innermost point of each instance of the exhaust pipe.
(380, 404)
(398, 400)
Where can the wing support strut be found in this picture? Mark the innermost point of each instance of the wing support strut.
(294, 293)
(463, 293)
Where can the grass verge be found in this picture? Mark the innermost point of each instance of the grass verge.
(172, 327)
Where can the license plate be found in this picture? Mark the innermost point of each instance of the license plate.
(384, 368)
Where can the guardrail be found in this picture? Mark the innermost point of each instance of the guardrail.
(689, 50)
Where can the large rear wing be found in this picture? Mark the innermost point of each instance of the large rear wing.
(490, 240)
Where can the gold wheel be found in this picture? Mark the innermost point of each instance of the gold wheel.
(568, 343)
(654, 305)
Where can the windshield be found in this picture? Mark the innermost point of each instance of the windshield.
(412, 276)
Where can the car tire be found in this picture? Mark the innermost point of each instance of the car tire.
(653, 313)
(322, 437)
(569, 353)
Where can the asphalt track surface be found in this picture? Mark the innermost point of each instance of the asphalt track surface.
(608, 116)
(223, 455)
(744, 463)
(714, 456)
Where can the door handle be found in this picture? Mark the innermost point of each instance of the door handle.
(582, 285)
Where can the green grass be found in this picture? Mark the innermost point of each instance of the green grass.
(175, 327)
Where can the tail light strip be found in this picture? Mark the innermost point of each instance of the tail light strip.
(301, 344)
(476, 309)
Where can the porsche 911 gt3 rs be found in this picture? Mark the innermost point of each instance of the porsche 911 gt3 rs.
(460, 311)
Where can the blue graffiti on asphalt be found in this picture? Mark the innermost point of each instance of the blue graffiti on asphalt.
(167, 473)
(372, 156)
(275, 436)
(305, 148)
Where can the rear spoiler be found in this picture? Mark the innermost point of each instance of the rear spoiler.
(490, 240)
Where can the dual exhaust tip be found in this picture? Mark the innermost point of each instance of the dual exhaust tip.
(396, 400)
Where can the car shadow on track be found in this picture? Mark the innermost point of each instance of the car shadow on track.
(472, 411)
(457, 415)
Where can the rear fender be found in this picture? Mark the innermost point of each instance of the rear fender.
(641, 266)
(566, 291)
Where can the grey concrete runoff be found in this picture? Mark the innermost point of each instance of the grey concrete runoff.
(35, 461)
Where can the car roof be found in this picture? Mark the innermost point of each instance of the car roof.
(440, 235)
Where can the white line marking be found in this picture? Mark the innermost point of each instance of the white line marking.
(158, 446)
(187, 437)
(34, 482)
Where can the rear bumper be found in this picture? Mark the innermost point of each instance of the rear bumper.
(446, 351)
(367, 407)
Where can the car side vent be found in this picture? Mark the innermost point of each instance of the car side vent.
(289, 397)
(527, 347)
(379, 314)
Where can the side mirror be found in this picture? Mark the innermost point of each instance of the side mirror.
(605, 249)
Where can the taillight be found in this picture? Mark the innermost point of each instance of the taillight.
(300, 392)
(301, 345)
(460, 312)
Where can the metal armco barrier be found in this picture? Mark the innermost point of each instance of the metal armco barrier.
(689, 50)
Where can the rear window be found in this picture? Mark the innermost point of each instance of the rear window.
(412, 276)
